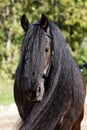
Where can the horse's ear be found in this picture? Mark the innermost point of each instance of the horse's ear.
(44, 22)
(24, 22)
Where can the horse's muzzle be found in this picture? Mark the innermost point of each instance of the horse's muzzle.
(35, 94)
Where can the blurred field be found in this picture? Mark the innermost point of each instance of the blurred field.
(8, 117)
(6, 92)
(84, 122)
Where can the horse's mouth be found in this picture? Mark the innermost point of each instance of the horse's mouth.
(35, 100)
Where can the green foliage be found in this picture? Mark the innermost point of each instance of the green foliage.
(70, 16)
(6, 91)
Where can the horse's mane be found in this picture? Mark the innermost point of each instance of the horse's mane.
(58, 99)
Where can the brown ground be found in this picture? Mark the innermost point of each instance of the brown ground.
(9, 117)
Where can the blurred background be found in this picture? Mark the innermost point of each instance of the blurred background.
(69, 15)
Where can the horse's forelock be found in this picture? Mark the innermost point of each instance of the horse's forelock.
(33, 46)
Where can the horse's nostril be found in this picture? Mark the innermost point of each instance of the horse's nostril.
(44, 76)
(30, 94)
(38, 91)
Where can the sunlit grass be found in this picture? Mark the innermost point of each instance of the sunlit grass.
(6, 91)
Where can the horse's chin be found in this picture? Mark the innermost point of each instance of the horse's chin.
(39, 98)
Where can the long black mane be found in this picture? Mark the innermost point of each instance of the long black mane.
(63, 101)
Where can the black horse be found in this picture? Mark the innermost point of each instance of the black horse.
(49, 89)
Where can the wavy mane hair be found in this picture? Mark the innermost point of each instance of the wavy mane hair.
(62, 106)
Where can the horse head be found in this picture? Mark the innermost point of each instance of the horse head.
(36, 58)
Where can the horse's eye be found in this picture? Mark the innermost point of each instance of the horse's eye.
(46, 50)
